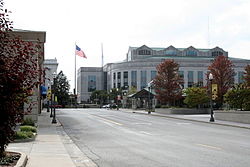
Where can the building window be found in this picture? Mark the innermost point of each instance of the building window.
(191, 53)
(114, 80)
(91, 83)
(181, 75)
(153, 75)
(240, 77)
(171, 52)
(134, 79)
(144, 52)
(200, 78)
(105, 80)
(143, 79)
(125, 78)
(119, 80)
(217, 53)
(190, 78)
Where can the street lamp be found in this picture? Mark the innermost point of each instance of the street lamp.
(51, 100)
(210, 77)
(48, 99)
(117, 98)
(149, 108)
(54, 85)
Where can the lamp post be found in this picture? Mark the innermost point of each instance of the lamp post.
(149, 108)
(210, 77)
(117, 98)
(54, 85)
(48, 100)
(51, 100)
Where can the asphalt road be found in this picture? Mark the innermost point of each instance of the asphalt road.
(114, 138)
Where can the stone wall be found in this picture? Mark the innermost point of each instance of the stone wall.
(234, 116)
(186, 111)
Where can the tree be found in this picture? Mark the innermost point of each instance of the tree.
(167, 82)
(238, 97)
(62, 87)
(195, 96)
(132, 90)
(247, 75)
(19, 74)
(113, 94)
(100, 96)
(223, 74)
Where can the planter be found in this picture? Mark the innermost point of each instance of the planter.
(183, 111)
(233, 116)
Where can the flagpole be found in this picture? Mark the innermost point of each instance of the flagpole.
(75, 70)
(102, 56)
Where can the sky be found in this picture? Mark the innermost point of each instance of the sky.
(118, 24)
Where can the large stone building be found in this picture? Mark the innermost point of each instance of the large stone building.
(139, 68)
(50, 67)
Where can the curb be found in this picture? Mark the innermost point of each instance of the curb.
(22, 160)
(193, 120)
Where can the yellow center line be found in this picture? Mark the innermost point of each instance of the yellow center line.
(110, 121)
(208, 146)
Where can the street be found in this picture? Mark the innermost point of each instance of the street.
(114, 138)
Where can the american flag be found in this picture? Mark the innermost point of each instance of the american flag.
(80, 53)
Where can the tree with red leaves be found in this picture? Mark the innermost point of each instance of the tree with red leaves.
(223, 74)
(167, 82)
(247, 75)
(19, 74)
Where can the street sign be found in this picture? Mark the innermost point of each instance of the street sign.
(214, 91)
(49, 94)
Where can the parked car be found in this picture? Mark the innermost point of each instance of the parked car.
(113, 105)
(106, 106)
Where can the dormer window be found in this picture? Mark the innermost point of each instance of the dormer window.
(191, 53)
(144, 52)
(217, 53)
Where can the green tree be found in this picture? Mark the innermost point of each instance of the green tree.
(99, 96)
(223, 74)
(132, 90)
(195, 96)
(238, 97)
(113, 94)
(62, 87)
(167, 82)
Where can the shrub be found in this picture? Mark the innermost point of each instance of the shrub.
(23, 135)
(28, 129)
(28, 121)
(29, 134)
(158, 106)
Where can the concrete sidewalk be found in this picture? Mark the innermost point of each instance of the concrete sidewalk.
(203, 118)
(52, 147)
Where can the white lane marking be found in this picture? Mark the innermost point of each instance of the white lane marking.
(183, 123)
(107, 120)
(145, 133)
(142, 123)
(208, 146)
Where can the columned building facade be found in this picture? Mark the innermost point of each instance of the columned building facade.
(139, 68)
